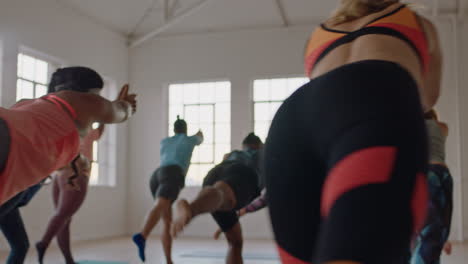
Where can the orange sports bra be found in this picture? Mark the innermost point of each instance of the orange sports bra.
(401, 23)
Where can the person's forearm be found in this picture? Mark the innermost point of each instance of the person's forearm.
(256, 205)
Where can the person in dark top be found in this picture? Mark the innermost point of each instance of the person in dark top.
(12, 225)
(228, 187)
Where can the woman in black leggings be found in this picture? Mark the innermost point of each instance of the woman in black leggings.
(346, 154)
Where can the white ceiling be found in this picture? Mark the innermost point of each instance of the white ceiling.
(137, 18)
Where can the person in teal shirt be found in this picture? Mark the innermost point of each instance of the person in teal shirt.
(166, 183)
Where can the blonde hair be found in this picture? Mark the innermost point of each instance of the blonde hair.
(350, 10)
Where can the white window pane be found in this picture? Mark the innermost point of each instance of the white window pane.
(207, 92)
(193, 176)
(174, 111)
(223, 133)
(191, 93)
(278, 89)
(296, 83)
(261, 91)
(94, 177)
(206, 114)
(223, 91)
(95, 151)
(19, 90)
(170, 129)
(261, 129)
(273, 109)
(223, 112)
(41, 90)
(262, 112)
(196, 155)
(220, 151)
(40, 71)
(176, 93)
(207, 130)
(25, 90)
(204, 169)
(192, 128)
(206, 153)
(192, 113)
(19, 69)
(27, 67)
(206, 107)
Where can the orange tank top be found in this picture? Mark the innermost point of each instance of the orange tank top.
(44, 138)
(401, 23)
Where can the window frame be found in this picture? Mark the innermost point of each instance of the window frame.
(106, 159)
(267, 77)
(167, 103)
(52, 65)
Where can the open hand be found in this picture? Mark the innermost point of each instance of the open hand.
(129, 98)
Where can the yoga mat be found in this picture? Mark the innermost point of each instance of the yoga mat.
(222, 255)
(100, 262)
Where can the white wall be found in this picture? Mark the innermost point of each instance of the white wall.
(238, 56)
(464, 120)
(241, 57)
(55, 30)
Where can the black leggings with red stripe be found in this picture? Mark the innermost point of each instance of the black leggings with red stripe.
(344, 163)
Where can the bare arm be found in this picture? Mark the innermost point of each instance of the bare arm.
(92, 108)
(254, 206)
(444, 127)
(433, 76)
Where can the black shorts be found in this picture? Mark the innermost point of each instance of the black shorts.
(243, 181)
(167, 182)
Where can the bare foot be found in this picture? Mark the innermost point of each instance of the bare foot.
(448, 248)
(184, 216)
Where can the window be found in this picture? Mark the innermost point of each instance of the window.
(104, 161)
(268, 96)
(204, 106)
(94, 178)
(33, 76)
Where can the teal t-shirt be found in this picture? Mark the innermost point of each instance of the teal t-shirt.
(177, 150)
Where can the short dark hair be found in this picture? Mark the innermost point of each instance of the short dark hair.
(78, 79)
(180, 126)
(252, 139)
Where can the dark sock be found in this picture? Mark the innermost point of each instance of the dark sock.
(40, 252)
(140, 241)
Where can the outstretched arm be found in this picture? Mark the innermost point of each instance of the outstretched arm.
(94, 108)
(100, 130)
(255, 206)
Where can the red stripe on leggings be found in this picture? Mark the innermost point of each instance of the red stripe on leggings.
(368, 166)
(419, 202)
(287, 258)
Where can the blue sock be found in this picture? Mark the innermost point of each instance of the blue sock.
(141, 243)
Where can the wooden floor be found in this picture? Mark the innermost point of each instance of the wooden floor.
(123, 250)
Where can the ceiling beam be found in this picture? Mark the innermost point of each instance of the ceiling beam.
(282, 12)
(172, 21)
(142, 19)
(166, 10)
(173, 7)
